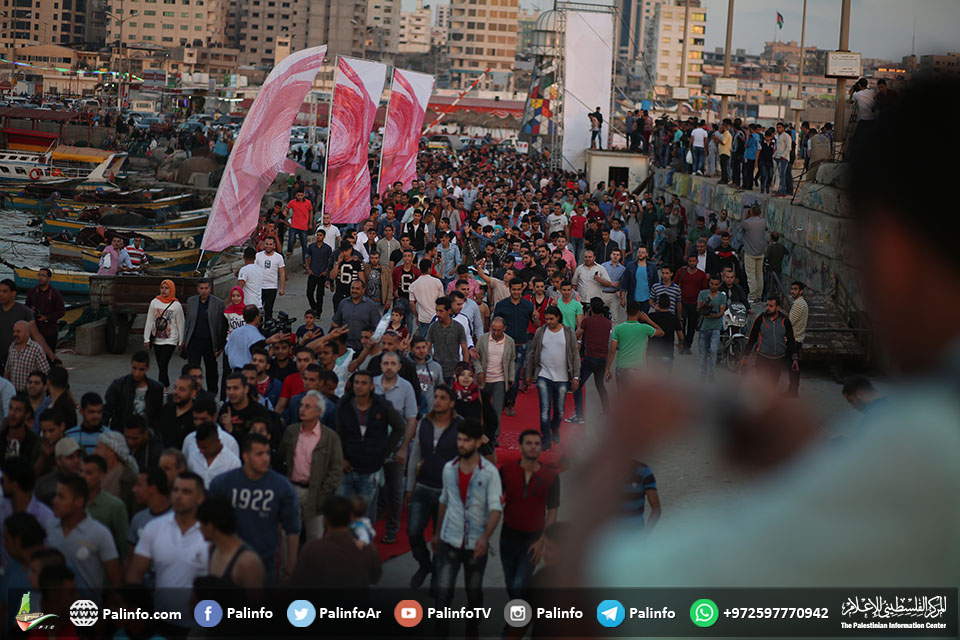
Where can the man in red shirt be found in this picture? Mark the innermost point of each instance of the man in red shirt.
(531, 494)
(692, 281)
(300, 211)
(293, 383)
(578, 224)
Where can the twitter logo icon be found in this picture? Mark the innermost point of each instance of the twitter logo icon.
(301, 613)
(610, 613)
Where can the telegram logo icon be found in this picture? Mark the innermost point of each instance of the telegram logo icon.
(610, 613)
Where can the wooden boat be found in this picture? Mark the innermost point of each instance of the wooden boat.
(55, 226)
(169, 202)
(179, 261)
(65, 281)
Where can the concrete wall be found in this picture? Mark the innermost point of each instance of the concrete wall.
(599, 164)
(815, 227)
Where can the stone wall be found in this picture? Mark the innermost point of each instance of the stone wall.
(815, 227)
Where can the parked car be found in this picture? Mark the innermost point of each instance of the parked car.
(444, 141)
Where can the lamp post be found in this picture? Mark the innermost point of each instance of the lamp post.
(726, 56)
(803, 39)
(121, 19)
(839, 125)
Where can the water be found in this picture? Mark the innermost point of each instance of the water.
(20, 245)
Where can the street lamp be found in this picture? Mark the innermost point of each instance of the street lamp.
(121, 19)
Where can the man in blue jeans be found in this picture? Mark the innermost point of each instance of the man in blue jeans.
(553, 361)
(470, 508)
(711, 303)
(517, 314)
(531, 495)
(369, 429)
(434, 444)
(300, 211)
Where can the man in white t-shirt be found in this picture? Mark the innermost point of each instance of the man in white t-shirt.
(585, 278)
(865, 99)
(250, 278)
(333, 234)
(175, 547)
(698, 140)
(556, 221)
(424, 292)
(274, 275)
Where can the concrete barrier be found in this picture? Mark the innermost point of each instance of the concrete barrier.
(91, 338)
(815, 228)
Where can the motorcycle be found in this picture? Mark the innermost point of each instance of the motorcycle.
(733, 342)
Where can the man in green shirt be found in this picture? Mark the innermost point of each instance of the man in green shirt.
(628, 343)
(570, 308)
(105, 508)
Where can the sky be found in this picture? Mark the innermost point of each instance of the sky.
(878, 28)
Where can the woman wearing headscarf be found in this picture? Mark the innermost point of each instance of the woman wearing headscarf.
(234, 315)
(164, 328)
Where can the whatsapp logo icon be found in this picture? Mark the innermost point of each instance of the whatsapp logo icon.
(704, 612)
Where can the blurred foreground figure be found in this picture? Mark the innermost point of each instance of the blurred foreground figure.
(883, 507)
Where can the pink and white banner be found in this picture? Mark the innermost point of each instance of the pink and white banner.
(356, 96)
(260, 152)
(402, 130)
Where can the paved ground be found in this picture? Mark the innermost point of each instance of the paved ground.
(687, 472)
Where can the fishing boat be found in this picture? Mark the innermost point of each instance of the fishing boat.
(179, 261)
(55, 227)
(72, 206)
(170, 239)
(64, 280)
(62, 168)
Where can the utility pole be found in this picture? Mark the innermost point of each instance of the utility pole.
(120, 64)
(683, 53)
(803, 37)
(839, 120)
(726, 56)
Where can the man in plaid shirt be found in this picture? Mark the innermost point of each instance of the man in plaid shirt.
(24, 357)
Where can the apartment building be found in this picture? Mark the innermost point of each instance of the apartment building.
(663, 47)
(169, 23)
(415, 30)
(483, 34)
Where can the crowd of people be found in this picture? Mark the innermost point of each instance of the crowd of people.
(267, 458)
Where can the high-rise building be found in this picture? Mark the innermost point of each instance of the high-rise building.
(526, 24)
(265, 31)
(635, 15)
(383, 25)
(68, 22)
(415, 30)
(663, 47)
(483, 34)
(169, 25)
(443, 16)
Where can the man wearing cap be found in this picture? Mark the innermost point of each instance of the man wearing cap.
(68, 459)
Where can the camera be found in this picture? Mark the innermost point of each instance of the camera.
(282, 323)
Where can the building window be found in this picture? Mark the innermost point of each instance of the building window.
(668, 27)
(183, 27)
(695, 55)
(168, 14)
(666, 40)
(698, 29)
(698, 16)
(694, 67)
(149, 25)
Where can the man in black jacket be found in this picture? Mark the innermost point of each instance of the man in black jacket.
(133, 394)
(369, 429)
(205, 330)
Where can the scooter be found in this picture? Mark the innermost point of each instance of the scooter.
(733, 342)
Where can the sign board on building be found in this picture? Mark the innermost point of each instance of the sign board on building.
(725, 87)
(796, 104)
(153, 78)
(769, 112)
(843, 64)
(681, 93)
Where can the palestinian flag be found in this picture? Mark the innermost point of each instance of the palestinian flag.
(779, 20)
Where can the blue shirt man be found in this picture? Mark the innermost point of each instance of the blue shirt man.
(614, 274)
(263, 499)
(239, 343)
(517, 313)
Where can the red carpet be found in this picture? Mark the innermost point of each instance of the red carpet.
(508, 452)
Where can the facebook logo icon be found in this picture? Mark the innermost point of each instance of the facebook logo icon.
(207, 613)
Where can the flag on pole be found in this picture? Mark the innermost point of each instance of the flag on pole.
(401, 131)
(779, 20)
(356, 95)
(260, 152)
